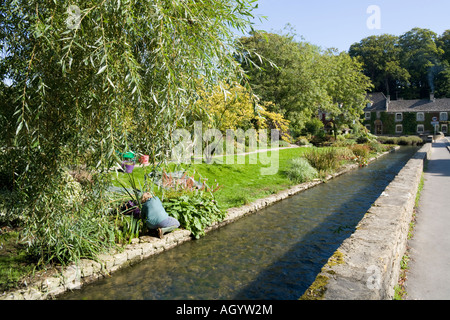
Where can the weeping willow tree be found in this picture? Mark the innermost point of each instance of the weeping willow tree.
(83, 80)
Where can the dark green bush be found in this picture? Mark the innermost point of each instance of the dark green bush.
(195, 211)
(362, 139)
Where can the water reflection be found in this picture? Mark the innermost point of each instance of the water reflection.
(273, 254)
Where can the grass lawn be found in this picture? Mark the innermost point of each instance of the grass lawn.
(13, 262)
(241, 183)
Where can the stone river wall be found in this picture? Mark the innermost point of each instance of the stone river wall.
(367, 264)
(50, 284)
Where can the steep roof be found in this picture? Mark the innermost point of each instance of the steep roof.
(378, 100)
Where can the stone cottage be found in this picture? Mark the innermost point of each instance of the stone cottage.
(383, 116)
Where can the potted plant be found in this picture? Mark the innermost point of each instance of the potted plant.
(128, 166)
(143, 159)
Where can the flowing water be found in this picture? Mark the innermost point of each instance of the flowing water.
(273, 254)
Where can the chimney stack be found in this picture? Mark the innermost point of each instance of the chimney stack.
(432, 99)
(388, 100)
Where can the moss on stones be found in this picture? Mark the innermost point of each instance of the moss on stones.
(318, 288)
(336, 258)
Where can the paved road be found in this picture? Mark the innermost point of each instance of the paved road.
(429, 274)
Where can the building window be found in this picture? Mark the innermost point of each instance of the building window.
(420, 116)
(368, 115)
(443, 116)
(444, 128)
(378, 114)
(368, 127)
(399, 117)
(420, 128)
(398, 128)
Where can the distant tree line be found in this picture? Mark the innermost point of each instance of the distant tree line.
(408, 66)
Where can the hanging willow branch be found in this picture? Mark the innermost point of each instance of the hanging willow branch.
(89, 79)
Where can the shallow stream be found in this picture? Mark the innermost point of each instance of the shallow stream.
(273, 254)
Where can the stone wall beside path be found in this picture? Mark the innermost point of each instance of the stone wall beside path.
(53, 283)
(367, 264)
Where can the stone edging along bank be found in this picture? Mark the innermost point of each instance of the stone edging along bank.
(367, 264)
(86, 271)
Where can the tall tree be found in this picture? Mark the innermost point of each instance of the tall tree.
(347, 87)
(421, 56)
(442, 81)
(443, 43)
(289, 75)
(89, 78)
(300, 79)
(381, 58)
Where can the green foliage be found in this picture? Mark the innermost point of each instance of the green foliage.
(127, 225)
(409, 123)
(194, 211)
(345, 154)
(347, 88)
(323, 159)
(302, 141)
(403, 140)
(301, 171)
(360, 150)
(11, 213)
(192, 204)
(13, 260)
(69, 236)
(410, 65)
(127, 228)
(82, 87)
(381, 58)
(409, 141)
(377, 147)
(299, 78)
(313, 126)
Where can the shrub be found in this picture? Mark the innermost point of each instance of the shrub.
(313, 126)
(344, 154)
(360, 150)
(11, 212)
(301, 171)
(194, 211)
(69, 225)
(377, 147)
(342, 142)
(404, 140)
(69, 236)
(324, 159)
(302, 141)
(282, 144)
(409, 141)
(322, 139)
(387, 140)
(362, 139)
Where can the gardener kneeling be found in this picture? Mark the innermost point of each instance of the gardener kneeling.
(156, 217)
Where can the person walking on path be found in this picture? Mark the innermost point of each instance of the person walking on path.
(428, 277)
